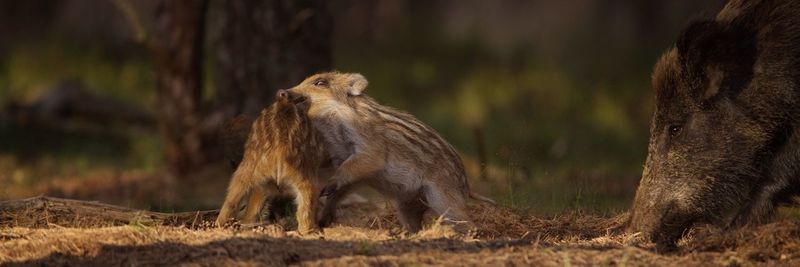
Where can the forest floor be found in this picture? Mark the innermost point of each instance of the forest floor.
(369, 235)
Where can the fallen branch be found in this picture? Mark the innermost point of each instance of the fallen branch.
(48, 211)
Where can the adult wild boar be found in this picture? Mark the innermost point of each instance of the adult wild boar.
(724, 142)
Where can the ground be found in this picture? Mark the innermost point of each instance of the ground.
(368, 235)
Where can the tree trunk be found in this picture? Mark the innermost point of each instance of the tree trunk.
(178, 51)
(259, 47)
(263, 46)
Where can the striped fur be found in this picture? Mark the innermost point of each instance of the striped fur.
(387, 149)
(282, 151)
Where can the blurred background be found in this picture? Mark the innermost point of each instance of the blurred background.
(123, 101)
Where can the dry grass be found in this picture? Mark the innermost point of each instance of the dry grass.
(369, 235)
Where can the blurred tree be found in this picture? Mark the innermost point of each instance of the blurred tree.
(22, 20)
(178, 54)
(262, 46)
(259, 46)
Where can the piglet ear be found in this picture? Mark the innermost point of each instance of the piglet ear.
(356, 84)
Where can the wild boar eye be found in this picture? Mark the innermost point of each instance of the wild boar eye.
(321, 82)
(675, 130)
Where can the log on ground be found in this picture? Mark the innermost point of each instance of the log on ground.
(37, 212)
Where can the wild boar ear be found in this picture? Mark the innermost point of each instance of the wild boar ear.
(356, 84)
(696, 42)
(722, 56)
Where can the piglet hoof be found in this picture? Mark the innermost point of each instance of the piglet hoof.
(325, 221)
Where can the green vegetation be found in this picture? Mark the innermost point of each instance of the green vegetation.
(564, 121)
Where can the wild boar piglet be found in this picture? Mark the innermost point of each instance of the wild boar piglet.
(283, 152)
(387, 149)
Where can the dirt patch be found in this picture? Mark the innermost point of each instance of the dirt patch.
(370, 236)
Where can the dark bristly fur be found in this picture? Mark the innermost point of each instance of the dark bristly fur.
(282, 150)
(724, 147)
(234, 136)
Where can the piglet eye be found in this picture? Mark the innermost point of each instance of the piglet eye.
(321, 82)
(675, 130)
